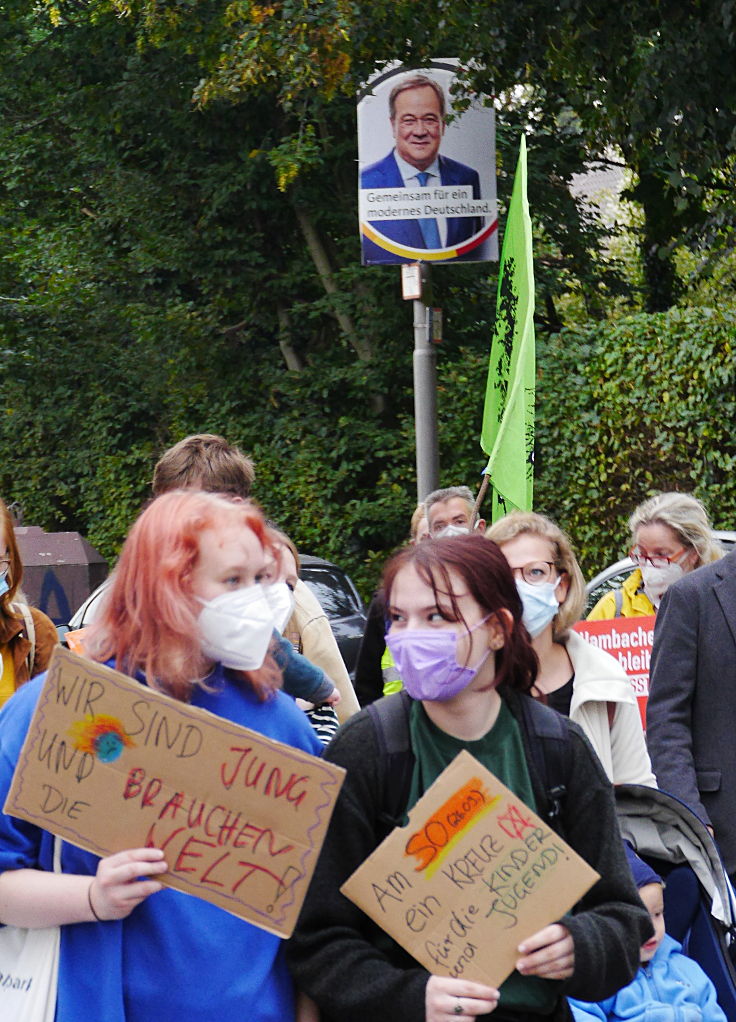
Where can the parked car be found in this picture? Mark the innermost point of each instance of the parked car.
(340, 601)
(613, 576)
(332, 586)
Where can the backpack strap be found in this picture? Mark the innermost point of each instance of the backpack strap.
(30, 629)
(548, 740)
(551, 750)
(618, 599)
(390, 716)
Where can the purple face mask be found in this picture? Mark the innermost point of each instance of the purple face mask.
(426, 661)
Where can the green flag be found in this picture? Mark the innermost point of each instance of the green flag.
(507, 435)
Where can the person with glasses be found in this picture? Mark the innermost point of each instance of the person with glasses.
(575, 678)
(27, 635)
(670, 535)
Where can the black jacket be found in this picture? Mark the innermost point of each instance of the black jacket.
(691, 712)
(355, 972)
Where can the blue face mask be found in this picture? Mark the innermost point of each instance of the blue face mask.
(540, 604)
(4, 587)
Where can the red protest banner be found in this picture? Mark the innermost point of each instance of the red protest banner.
(629, 640)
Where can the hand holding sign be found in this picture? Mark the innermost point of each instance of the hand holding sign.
(458, 998)
(120, 885)
(549, 953)
(111, 765)
(474, 870)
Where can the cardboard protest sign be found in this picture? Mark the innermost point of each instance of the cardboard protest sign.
(473, 874)
(109, 764)
(629, 640)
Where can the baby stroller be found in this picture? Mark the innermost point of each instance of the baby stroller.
(699, 901)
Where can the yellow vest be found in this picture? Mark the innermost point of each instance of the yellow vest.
(7, 678)
(391, 680)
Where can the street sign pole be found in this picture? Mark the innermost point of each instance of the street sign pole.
(415, 284)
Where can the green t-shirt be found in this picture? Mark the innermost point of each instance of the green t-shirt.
(501, 751)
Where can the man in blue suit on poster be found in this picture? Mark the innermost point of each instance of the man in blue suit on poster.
(417, 114)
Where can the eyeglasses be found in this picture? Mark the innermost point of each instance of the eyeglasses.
(536, 573)
(639, 558)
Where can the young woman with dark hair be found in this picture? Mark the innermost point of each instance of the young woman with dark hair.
(466, 662)
(184, 615)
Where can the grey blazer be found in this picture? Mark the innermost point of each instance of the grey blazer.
(691, 713)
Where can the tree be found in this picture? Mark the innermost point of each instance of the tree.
(656, 80)
(178, 204)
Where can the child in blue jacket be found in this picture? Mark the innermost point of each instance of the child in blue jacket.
(669, 986)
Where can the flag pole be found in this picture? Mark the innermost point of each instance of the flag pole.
(479, 501)
(507, 433)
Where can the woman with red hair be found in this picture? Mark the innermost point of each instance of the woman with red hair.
(457, 638)
(184, 615)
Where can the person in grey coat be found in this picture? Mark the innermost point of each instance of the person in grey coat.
(691, 712)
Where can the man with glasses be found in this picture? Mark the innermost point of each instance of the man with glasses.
(691, 712)
(417, 115)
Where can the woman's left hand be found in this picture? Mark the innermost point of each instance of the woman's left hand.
(550, 953)
(447, 998)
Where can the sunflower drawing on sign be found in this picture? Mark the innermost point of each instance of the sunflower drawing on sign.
(102, 736)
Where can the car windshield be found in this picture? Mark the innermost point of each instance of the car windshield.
(330, 589)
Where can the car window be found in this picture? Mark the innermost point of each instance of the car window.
(332, 591)
(612, 582)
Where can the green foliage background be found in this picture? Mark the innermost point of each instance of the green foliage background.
(179, 253)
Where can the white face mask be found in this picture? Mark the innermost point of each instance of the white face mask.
(658, 580)
(453, 530)
(236, 628)
(280, 599)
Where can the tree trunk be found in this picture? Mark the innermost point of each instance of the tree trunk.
(291, 355)
(321, 261)
(661, 282)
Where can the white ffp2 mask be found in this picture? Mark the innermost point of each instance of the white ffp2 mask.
(280, 599)
(236, 628)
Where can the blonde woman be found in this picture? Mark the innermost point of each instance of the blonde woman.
(575, 678)
(670, 536)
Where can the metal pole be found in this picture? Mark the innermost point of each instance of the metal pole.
(425, 404)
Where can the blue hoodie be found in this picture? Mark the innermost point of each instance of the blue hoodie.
(669, 988)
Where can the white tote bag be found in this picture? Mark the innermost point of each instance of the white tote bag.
(29, 968)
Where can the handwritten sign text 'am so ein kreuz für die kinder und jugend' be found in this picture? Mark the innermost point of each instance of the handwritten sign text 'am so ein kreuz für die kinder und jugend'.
(472, 874)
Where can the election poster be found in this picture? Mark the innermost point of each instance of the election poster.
(427, 169)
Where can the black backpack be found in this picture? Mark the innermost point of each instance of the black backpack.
(547, 736)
